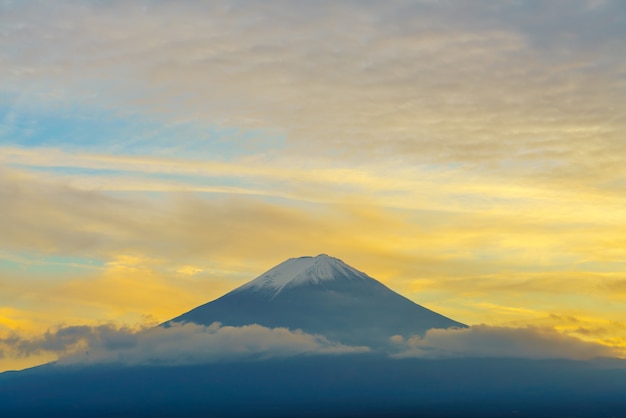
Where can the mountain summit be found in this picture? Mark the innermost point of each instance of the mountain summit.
(321, 295)
(302, 271)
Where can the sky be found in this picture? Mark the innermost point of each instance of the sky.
(469, 155)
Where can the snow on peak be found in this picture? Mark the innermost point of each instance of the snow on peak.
(298, 271)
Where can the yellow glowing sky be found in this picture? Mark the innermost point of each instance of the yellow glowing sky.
(155, 155)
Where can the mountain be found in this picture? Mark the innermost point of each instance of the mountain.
(325, 296)
(321, 295)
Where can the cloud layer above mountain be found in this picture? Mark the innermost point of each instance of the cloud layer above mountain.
(443, 81)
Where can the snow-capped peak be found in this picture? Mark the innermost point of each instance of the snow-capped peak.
(302, 270)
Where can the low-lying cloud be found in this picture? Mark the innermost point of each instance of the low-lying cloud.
(178, 344)
(493, 341)
(189, 343)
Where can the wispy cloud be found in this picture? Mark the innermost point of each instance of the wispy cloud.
(431, 81)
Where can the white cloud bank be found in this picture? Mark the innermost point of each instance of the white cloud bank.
(179, 344)
(493, 341)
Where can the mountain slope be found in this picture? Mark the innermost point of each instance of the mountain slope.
(321, 295)
(363, 385)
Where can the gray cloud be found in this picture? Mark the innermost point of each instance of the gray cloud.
(176, 345)
(494, 341)
(70, 338)
(195, 344)
(534, 82)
